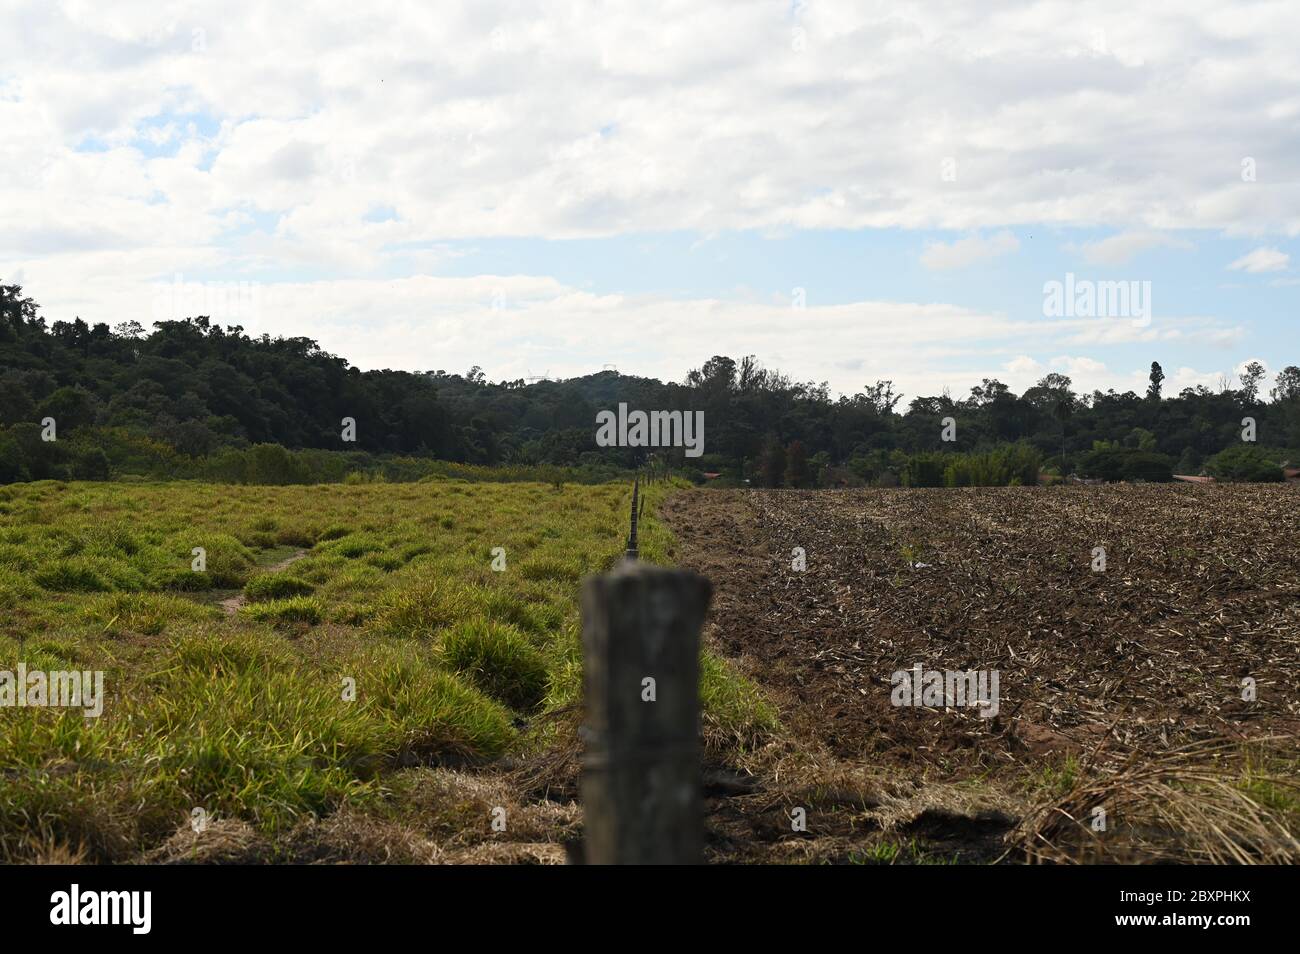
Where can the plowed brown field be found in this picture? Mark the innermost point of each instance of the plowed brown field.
(1097, 670)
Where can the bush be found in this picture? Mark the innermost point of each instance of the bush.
(90, 464)
(1189, 463)
(12, 466)
(879, 466)
(1244, 463)
(1013, 465)
(1147, 466)
(1005, 466)
(1102, 463)
(499, 660)
(925, 470)
(1111, 463)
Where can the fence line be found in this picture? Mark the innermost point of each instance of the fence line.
(640, 783)
(632, 550)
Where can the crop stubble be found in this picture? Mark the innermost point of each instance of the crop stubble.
(1201, 590)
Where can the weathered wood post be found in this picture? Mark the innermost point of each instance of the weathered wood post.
(641, 766)
(633, 552)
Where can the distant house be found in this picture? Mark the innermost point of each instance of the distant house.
(711, 476)
(1291, 473)
(1194, 479)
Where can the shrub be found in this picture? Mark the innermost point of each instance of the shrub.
(1147, 466)
(925, 470)
(1102, 463)
(1011, 464)
(90, 464)
(1244, 463)
(12, 465)
(1014, 465)
(1113, 463)
(262, 464)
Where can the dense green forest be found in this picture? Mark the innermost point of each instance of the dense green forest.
(192, 399)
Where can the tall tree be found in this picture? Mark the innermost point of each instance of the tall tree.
(881, 396)
(1251, 377)
(1157, 379)
(1287, 387)
(1063, 410)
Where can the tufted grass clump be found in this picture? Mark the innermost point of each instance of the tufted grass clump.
(499, 660)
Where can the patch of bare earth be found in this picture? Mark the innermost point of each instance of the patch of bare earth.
(1141, 665)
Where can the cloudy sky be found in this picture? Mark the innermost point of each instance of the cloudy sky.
(848, 190)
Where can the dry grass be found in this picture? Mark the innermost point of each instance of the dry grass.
(1204, 802)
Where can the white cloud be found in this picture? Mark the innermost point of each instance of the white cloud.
(1088, 375)
(497, 119)
(1262, 260)
(1123, 248)
(1185, 377)
(1241, 365)
(968, 251)
(132, 150)
(1078, 366)
(1023, 365)
(519, 325)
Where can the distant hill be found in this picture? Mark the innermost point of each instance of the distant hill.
(190, 388)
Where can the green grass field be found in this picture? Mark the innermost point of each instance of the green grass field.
(347, 652)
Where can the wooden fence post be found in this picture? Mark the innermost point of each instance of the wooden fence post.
(641, 766)
(633, 551)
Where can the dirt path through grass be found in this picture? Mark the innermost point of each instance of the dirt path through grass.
(232, 604)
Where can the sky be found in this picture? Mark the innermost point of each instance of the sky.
(928, 193)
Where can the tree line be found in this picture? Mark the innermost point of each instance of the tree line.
(189, 395)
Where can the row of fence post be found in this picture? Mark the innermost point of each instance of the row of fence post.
(640, 784)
